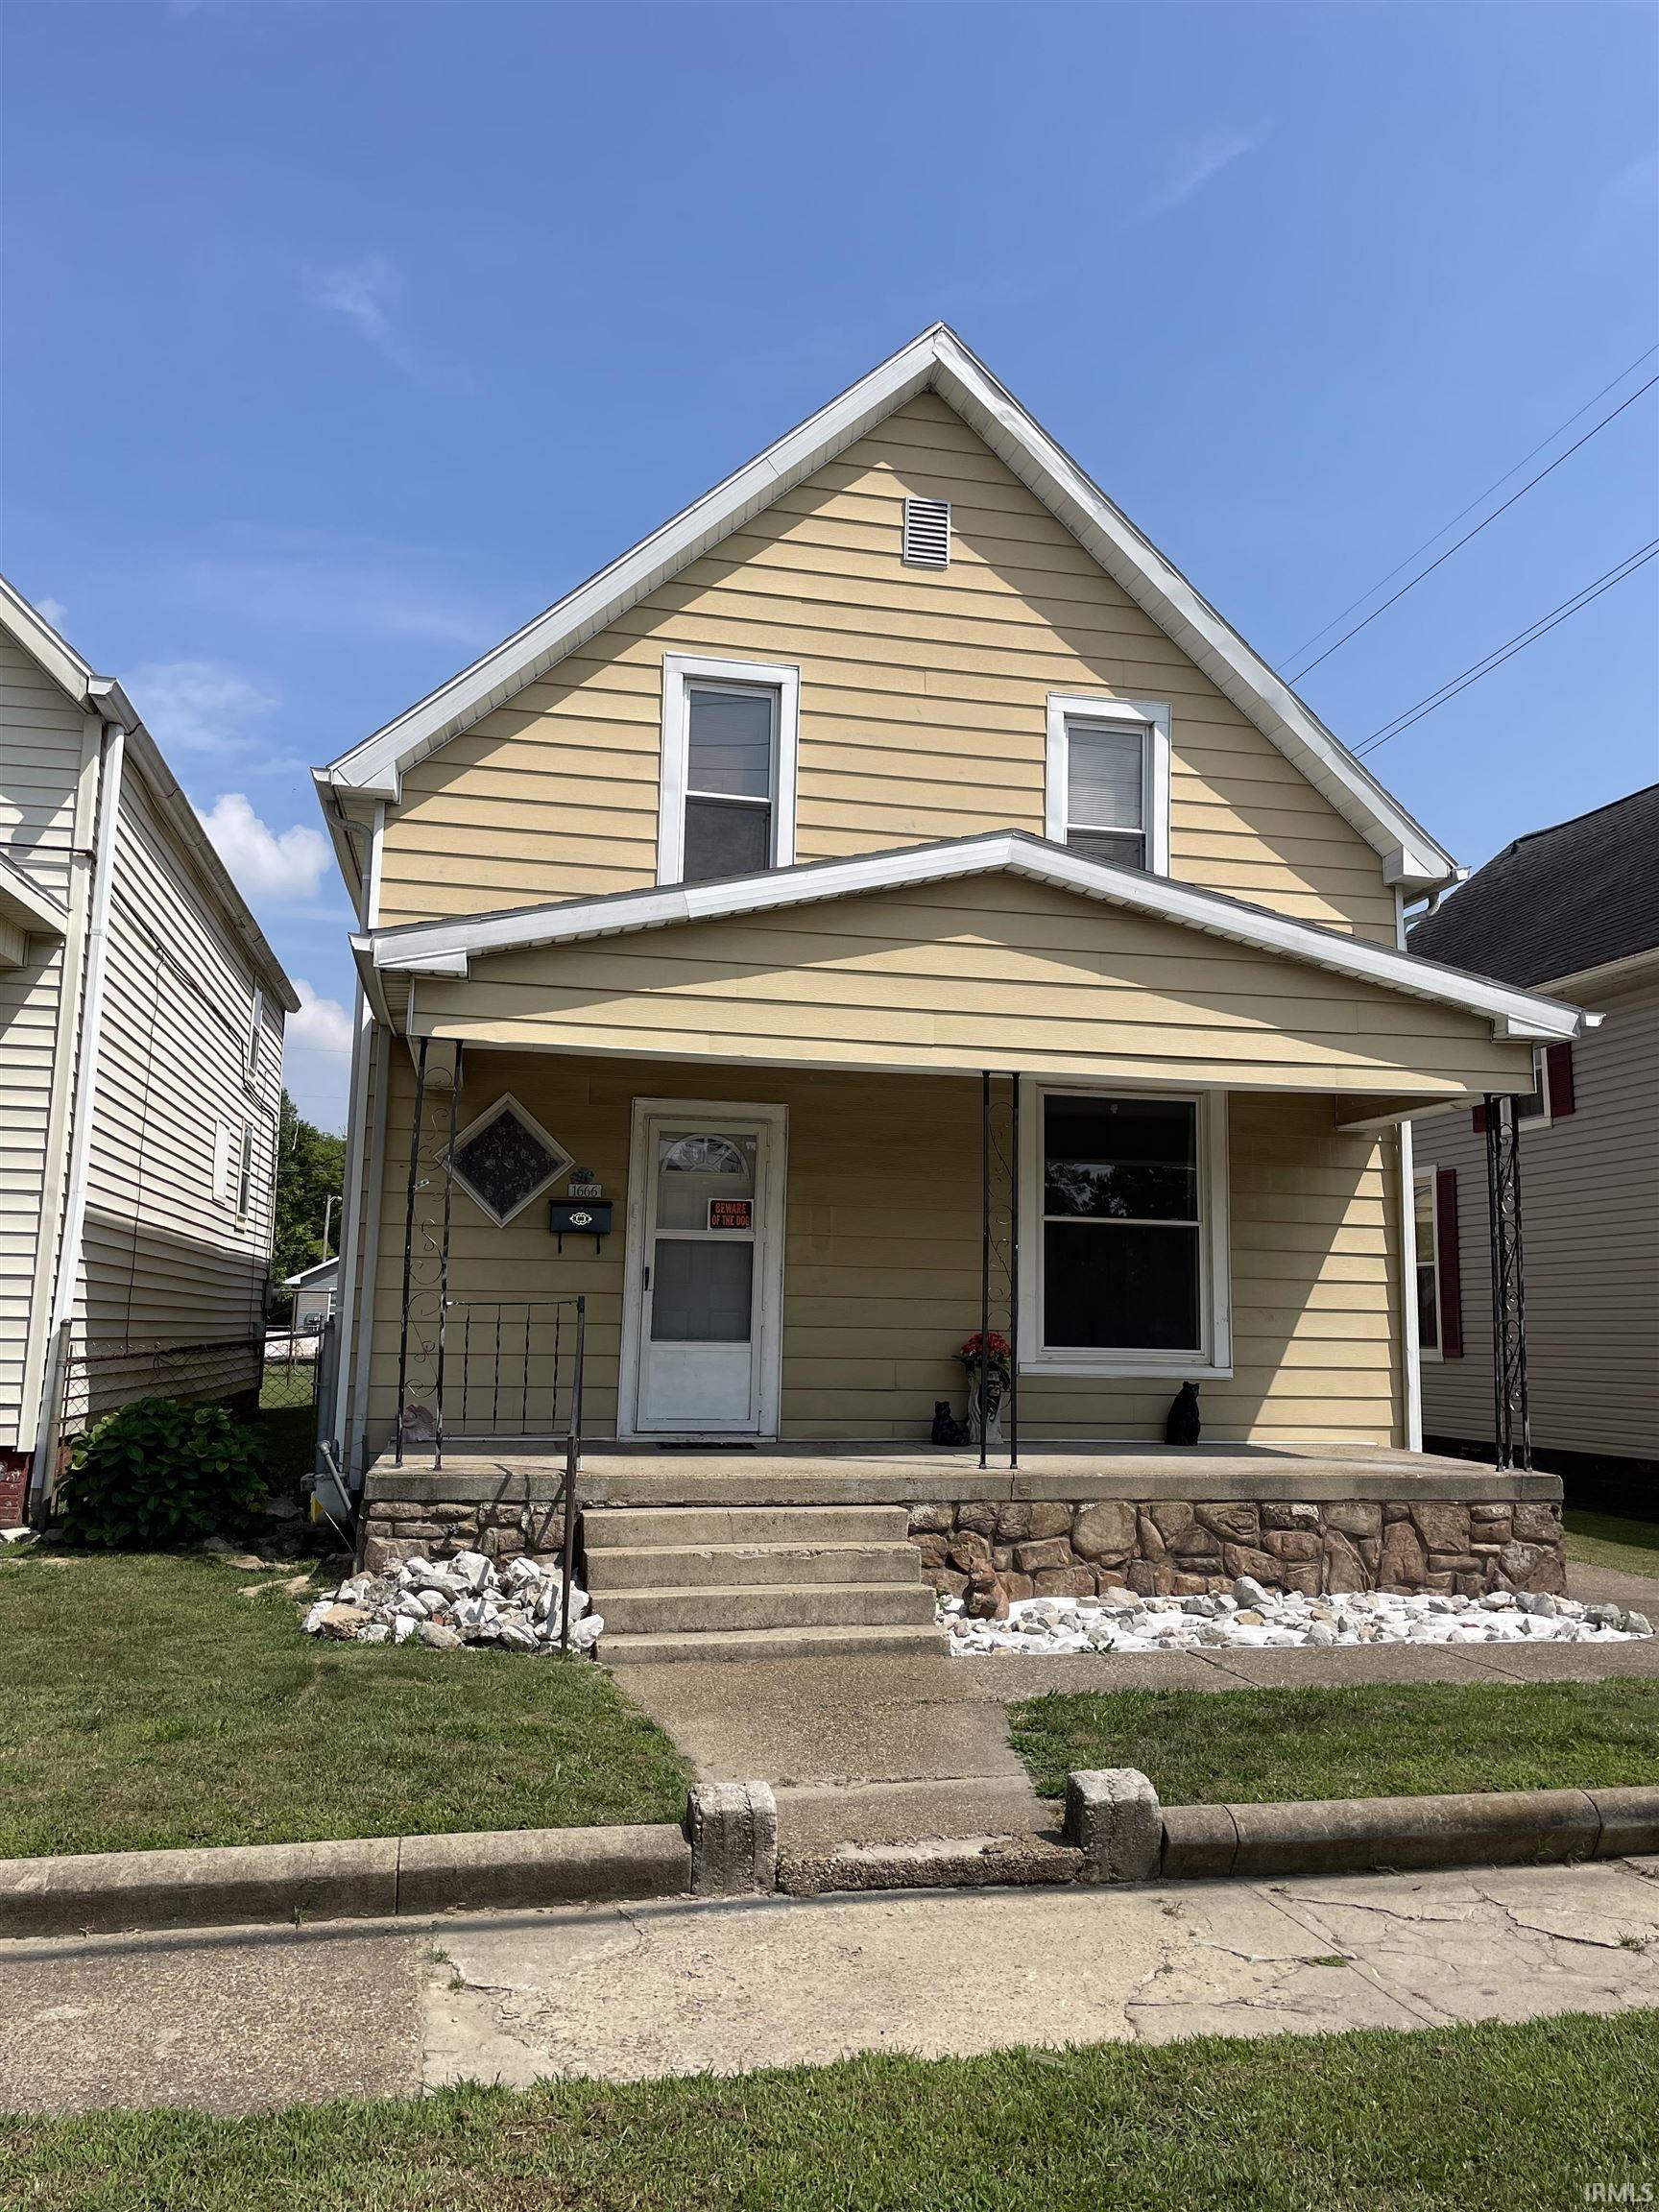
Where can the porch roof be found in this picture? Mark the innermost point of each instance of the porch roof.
(1001, 951)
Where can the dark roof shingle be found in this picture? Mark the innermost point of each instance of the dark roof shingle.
(1557, 902)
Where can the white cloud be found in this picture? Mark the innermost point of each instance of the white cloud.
(320, 1025)
(196, 706)
(264, 862)
(366, 293)
(55, 611)
(316, 1057)
(1203, 160)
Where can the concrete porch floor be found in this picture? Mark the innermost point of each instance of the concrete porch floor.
(887, 1472)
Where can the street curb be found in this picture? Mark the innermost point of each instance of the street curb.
(1350, 1835)
(107, 1892)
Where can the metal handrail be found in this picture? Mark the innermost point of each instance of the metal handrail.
(501, 1335)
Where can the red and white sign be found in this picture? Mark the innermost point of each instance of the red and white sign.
(732, 1214)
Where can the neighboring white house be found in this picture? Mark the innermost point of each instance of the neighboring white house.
(141, 1016)
(315, 1292)
(1572, 911)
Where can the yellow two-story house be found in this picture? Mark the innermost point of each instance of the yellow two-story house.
(888, 901)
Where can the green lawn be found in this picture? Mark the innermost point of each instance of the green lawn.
(147, 1705)
(1520, 2117)
(1609, 1540)
(1250, 1746)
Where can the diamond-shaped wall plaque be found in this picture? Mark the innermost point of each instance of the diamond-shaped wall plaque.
(505, 1159)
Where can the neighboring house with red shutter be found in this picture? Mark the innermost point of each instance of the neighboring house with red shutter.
(1572, 911)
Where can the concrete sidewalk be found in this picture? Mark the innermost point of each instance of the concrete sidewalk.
(889, 1750)
(234, 2021)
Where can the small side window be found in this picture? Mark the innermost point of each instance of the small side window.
(244, 1168)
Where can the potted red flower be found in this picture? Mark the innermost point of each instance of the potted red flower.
(986, 1358)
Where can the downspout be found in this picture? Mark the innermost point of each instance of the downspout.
(69, 1250)
(351, 1228)
(67, 1022)
(1412, 1354)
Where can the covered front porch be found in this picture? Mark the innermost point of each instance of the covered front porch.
(661, 1171)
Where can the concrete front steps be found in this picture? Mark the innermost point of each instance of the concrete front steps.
(757, 1582)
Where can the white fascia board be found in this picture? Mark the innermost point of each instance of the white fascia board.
(26, 904)
(41, 642)
(939, 360)
(376, 765)
(1184, 615)
(448, 947)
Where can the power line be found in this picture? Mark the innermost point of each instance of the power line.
(1434, 535)
(1507, 650)
(1460, 543)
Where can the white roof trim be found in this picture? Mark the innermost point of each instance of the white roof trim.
(937, 360)
(104, 696)
(328, 1267)
(27, 906)
(448, 947)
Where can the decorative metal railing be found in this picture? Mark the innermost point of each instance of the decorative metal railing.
(513, 1367)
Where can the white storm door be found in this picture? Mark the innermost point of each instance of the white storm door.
(702, 1275)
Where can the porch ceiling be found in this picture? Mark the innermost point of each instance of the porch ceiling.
(996, 968)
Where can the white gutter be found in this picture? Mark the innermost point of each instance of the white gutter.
(68, 1275)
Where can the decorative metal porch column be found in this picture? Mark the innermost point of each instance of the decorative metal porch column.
(1511, 1425)
(420, 1327)
(991, 1249)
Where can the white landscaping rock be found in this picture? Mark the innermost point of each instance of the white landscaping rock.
(450, 1603)
(1255, 1619)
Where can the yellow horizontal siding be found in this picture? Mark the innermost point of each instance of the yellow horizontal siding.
(922, 706)
(881, 1275)
(996, 971)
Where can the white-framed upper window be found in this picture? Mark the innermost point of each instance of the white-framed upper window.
(729, 739)
(255, 1029)
(1125, 1264)
(1107, 789)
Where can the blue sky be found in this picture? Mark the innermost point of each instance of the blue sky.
(340, 339)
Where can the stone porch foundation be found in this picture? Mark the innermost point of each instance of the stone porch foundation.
(1070, 1521)
(1173, 1547)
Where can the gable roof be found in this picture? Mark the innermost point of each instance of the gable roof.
(447, 947)
(102, 696)
(936, 361)
(312, 1274)
(1579, 894)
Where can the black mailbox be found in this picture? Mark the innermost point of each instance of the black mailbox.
(579, 1218)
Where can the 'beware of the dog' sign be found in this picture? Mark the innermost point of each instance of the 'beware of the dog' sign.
(730, 1212)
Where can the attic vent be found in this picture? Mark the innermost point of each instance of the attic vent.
(928, 533)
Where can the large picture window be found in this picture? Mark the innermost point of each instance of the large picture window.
(727, 794)
(1127, 1258)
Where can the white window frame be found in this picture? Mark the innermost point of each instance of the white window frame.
(1544, 1118)
(1212, 1360)
(506, 1103)
(255, 1031)
(1153, 717)
(681, 672)
(242, 1196)
(1423, 1178)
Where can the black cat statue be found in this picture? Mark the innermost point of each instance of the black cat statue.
(947, 1429)
(1183, 1424)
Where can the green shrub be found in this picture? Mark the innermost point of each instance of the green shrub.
(156, 1473)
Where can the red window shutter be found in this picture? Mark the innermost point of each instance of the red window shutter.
(1558, 1080)
(1479, 1118)
(1446, 1263)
